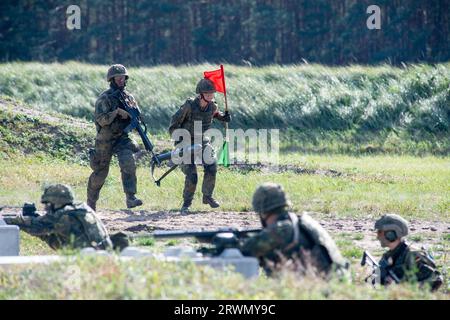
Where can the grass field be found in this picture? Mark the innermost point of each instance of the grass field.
(370, 185)
(108, 278)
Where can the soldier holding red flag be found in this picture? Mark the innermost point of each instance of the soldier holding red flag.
(202, 109)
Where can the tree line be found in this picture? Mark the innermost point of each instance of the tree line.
(252, 32)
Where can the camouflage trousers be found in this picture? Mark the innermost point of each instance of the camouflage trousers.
(191, 176)
(100, 159)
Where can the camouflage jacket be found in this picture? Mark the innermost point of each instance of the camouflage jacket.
(75, 226)
(410, 264)
(190, 112)
(313, 246)
(109, 124)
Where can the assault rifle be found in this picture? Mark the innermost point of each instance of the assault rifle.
(136, 122)
(141, 128)
(220, 239)
(178, 152)
(378, 270)
(28, 209)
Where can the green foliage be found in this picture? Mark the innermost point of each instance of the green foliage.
(146, 242)
(352, 253)
(148, 278)
(368, 185)
(416, 238)
(358, 236)
(340, 110)
(39, 133)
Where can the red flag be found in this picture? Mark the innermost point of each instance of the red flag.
(218, 78)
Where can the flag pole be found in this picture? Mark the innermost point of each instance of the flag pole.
(226, 101)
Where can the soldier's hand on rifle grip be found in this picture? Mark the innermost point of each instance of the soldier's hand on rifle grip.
(227, 116)
(122, 113)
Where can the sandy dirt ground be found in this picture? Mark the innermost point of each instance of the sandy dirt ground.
(358, 230)
(139, 221)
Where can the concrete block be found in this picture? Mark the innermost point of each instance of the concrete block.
(232, 257)
(247, 266)
(135, 252)
(9, 240)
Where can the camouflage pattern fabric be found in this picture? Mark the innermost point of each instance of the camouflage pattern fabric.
(191, 179)
(184, 119)
(190, 112)
(74, 226)
(273, 246)
(116, 70)
(112, 140)
(410, 264)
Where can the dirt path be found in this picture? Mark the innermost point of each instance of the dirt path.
(359, 230)
(430, 232)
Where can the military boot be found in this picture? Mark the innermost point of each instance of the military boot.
(211, 201)
(185, 208)
(132, 201)
(91, 204)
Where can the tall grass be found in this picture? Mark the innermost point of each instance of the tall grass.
(348, 105)
(147, 278)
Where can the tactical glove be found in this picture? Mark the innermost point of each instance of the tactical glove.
(227, 116)
(122, 113)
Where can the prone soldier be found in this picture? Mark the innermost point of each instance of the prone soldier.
(288, 237)
(67, 224)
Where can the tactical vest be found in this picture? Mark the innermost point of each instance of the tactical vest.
(320, 240)
(93, 228)
(115, 129)
(397, 262)
(197, 114)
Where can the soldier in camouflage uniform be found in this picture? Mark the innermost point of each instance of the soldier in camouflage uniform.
(287, 237)
(65, 223)
(110, 120)
(203, 110)
(407, 263)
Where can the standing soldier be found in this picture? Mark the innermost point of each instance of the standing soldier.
(111, 120)
(202, 109)
(406, 263)
(65, 224)
(288, 237)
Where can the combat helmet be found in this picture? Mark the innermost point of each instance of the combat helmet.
(205, 86)
(116, 70)
(269, 196)
(392, 222)
(58, 194)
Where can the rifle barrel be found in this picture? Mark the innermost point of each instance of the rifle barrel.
(200, 234)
